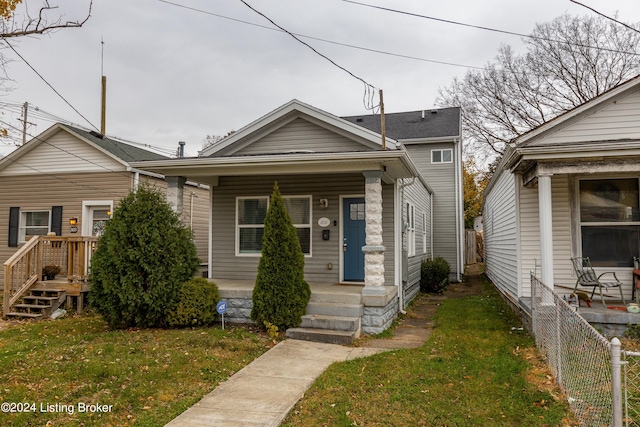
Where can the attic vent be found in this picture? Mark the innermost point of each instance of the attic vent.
(96, 134)
(359, 120)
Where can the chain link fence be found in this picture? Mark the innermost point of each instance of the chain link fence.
(578, 355)
(631, 387)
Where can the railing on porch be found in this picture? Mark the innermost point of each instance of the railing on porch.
(24, 268)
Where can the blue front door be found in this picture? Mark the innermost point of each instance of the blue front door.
(353, 211)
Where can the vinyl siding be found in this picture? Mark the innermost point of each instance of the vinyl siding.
(227, 265)
(616, 121)
(60, 154)
(298, 135)
(419, 197)
(200, 212)
(41, 192)
(441, 178)
(500, 235)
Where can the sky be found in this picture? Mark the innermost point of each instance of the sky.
(180, 70)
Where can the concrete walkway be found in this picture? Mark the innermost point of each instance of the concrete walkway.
(263, 393)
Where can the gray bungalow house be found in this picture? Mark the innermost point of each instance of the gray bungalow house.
(569, 188)
(366, 214)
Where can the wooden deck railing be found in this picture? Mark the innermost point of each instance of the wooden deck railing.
(24, 268)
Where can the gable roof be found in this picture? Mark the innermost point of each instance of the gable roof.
(117, 150)
(286, 114)
(437, 123)
(124, 151)
(609, 97)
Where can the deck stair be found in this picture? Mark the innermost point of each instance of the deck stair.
(332, 317)
(38, 304)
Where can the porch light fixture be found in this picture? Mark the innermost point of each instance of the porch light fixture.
(73, 221)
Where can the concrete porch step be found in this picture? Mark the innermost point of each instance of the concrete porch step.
(339, 323)
(323, 335)
(333, 309)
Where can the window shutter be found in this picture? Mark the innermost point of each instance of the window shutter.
(14, 223)
(56, 220)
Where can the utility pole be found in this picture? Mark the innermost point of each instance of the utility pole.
(25, 122)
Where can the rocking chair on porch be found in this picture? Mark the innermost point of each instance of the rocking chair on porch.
(587, 277)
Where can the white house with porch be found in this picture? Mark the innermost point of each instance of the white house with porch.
(567, 189)
(364, 211)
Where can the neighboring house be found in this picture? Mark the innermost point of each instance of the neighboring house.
(568, 188)
(365, 215)
(68, 180)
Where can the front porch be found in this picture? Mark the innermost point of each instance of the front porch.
(611, 319)
(336, 312)
(27, 294)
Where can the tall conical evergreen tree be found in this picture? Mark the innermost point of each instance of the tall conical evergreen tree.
(281, 294)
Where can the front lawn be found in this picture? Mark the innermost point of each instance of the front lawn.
(54, 369)
(477, 369)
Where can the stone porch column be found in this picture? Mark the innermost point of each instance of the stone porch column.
(373, 250)
(175, 191)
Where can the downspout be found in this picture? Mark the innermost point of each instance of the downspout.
(210, 248)
(458, 181)
(136, 180)
(400, 285)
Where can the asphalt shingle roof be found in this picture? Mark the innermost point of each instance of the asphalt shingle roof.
(440, 122)
(126, 152)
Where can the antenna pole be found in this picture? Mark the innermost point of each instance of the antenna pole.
(103, 116)
(382, 125)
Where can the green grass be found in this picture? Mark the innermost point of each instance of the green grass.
(471, 372)
(148, 376)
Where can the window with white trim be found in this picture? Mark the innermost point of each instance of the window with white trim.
(411, 230)
(442, 156)
(251, 213)
(610, 221)
(34, 223)
(424, 233)
(299, 210)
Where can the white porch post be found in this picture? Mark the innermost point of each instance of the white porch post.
(373, 250)
(175, 190)
(546, 229)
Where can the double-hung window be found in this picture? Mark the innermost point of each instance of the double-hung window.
(34, 223)
(251, 213)
(299, 210)
(411, 230)
(442, 156)
(610, 221)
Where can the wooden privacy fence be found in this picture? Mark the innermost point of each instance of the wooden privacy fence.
(24, 268)
(473, 247)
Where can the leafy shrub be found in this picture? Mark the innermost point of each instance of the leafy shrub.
(142, 258)
(434, 275)
(281, 294)
(196, 304)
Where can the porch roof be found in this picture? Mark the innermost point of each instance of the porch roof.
(394, 163)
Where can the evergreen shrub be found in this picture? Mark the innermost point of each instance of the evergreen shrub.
(142, 258)
(434, 275)
(281, 294)
(196, 306)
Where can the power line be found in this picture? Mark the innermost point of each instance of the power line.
(352, 46)
(479, 27)
(368, 87)
(47, 83)
(605, 16)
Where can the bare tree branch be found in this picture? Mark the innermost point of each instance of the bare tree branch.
(18, 26)
(568, 61)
